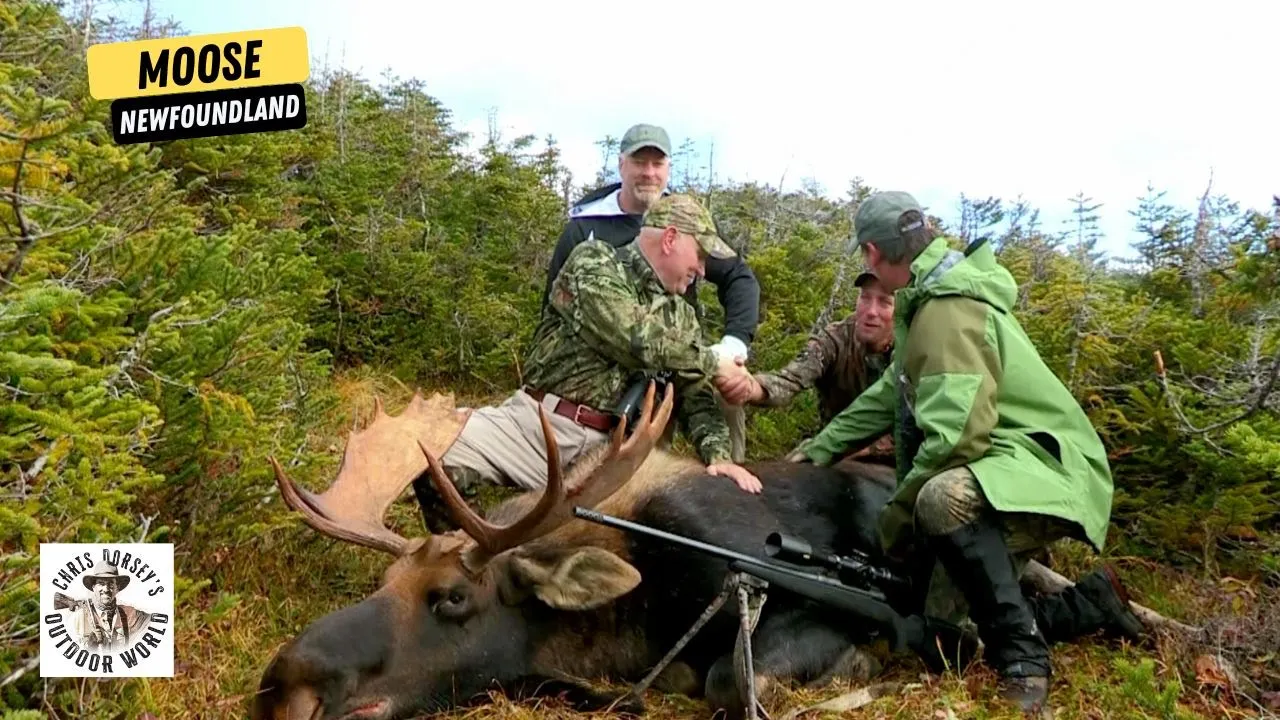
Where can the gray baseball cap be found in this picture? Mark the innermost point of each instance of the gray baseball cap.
(642, 136)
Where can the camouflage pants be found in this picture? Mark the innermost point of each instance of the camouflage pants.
(952, 499)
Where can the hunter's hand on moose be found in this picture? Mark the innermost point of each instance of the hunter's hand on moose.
(738, 474)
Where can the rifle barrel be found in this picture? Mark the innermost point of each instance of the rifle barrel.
(602, 519)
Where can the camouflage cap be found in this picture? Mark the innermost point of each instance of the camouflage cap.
(688, 216)
(642, 136)
(878, 216)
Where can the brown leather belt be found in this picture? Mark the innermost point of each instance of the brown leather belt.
(582, 414)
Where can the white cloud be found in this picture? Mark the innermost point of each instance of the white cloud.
(993, 98)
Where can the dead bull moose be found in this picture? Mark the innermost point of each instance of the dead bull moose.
(532, 596)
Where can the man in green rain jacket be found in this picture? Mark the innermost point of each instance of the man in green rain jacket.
(995, 457)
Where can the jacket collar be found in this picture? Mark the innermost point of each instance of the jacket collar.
(931, 264)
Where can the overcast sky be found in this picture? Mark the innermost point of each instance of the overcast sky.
(943, 98)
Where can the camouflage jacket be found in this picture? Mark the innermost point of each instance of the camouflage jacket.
(609, 318)
(835, 364)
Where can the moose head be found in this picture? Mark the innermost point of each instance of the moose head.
(458, 612)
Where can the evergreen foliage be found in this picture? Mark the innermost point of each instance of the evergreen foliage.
(172, 314)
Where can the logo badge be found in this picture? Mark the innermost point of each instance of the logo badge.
(106, 610)
(202, 85)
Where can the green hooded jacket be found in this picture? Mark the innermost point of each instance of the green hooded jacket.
(980, 395)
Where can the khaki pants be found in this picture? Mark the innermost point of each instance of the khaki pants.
(735, 416)
(504, 444)
(952, 499)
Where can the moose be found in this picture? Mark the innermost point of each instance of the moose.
(531, 599)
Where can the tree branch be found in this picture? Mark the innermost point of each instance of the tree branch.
(24, 231)
(1258, 403)
(28, 666)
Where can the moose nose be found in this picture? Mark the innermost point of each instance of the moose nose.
(321, 668)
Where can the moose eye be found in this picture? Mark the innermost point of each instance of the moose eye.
(451, 603)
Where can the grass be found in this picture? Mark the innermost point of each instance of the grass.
(226, 640)
(268, 588)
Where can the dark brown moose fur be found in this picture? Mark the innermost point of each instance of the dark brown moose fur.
(581, 601)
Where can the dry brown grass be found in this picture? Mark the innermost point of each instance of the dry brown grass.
(270, 588)
(305, 576)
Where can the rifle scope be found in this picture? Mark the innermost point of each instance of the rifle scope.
(797, 551)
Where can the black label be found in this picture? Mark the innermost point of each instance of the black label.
(182, 116)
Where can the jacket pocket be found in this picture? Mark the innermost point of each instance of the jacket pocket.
(1048, 448)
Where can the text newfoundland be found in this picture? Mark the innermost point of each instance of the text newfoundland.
(205, 114)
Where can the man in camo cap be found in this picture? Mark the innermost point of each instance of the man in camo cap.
(686, 215)
(612, 314)
(615, 213)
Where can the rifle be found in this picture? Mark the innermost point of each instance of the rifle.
(63, 602)
(857, 566)
(934, 640)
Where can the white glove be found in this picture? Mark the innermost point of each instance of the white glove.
(729, 347)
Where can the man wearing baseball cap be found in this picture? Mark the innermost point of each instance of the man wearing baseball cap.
(996, 459)
(613, 214)
(613, 313)
(618, 311)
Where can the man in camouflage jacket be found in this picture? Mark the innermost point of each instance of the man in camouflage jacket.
(614, 214)
(840, 362)
(612, 315)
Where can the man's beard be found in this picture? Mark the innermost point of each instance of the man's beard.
(646, 196)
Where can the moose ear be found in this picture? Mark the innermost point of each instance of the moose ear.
(579, 578)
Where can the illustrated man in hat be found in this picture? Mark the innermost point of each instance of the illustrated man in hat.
(101, 624)
(840, 362)
(614, 214)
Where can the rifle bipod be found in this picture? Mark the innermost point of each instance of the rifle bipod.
(751, 595)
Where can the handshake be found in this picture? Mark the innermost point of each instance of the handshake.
(736, 383)
(738, 386)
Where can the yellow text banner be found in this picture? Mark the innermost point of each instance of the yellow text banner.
(196, 63)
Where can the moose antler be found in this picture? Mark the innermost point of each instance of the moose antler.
(554, 508)
(377, 464)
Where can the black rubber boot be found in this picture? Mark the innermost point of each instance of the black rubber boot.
(1097, 602)
(978, 562)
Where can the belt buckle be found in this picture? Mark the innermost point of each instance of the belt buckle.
(577, 414)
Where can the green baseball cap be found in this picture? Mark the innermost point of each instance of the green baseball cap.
(642, 136)
(879, 215)
(688, 216)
